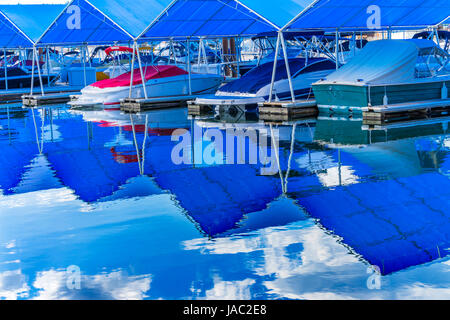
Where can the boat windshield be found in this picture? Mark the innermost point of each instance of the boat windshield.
(432, 62)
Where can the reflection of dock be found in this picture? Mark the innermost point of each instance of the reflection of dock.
(133, 105)
(287, 110)
(379, 114)
(199, 109)
(406, 124)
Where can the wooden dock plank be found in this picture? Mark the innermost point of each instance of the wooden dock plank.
(375, 115)
(139, 105)
(15, 95)
(39, 100)
(290, 104)
(287, 110)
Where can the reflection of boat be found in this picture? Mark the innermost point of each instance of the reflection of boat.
(161, 81)
(156, 120)
(352, 132)
(254, 87)
(18, 78)
(387, 72)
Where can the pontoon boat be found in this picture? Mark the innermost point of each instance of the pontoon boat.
(387, 72)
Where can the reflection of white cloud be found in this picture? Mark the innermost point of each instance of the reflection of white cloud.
(115, 285)
(285, 251)
(419, 291)
(39, 198)
(336, 176)
(13, 285)
(316, 161)
(51, 133)
(301, 261)
(230, 290)
(11, 244)
(327, 170)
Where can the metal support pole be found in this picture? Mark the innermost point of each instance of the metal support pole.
(47, 61)
(354, 43)
(337, 49)
(288, 69)
(84, 64)
(200, 50)
(238, 57)
(32, 74)
(39, 71)
(189, 67)
(274, 71)
(133, 59)
(142, 72)
(6, 69)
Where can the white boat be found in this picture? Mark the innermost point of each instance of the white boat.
(254, 86)
(161, 82)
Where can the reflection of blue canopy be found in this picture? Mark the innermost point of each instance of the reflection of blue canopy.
(13, 163)
(88, 168)
(18, 147)
(102, 21)
(21, 25)
(357, 14)
(392, 224)
(217, 198)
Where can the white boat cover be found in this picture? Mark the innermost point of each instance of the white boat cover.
(383, 61)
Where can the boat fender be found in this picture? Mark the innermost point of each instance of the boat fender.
(275, 94)
(444, 92)
(385, 100)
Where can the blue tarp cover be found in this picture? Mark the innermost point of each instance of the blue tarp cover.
(278, 12)
(358, 14)
(207, 18)
(133, 16)
(261, 76)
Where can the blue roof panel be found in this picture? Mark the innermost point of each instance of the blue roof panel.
(359, 14)
(104, 21)
(279, 12)
(11, 37)
(31, 19)
(207, 18)
(133, 16)
(94, 27)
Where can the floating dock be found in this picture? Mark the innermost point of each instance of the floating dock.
(398, 112)
(15, 95)
(287, 110)
(132, 105)
(49, 99)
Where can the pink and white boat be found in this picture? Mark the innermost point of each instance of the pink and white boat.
(161, 82)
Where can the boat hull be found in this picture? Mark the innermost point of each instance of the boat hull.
(156, 88)
(354, 98)
(301, 85)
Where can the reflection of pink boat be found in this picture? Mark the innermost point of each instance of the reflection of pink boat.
(161, 81)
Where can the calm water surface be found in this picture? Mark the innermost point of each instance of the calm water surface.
(99, 191)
